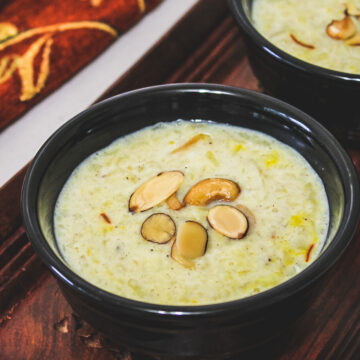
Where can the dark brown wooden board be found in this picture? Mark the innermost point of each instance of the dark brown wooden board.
(35, 320)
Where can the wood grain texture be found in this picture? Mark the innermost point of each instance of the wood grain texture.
(10, 205)
(43, 323)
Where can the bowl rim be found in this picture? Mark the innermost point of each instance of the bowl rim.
(256, 302)
(249, 29)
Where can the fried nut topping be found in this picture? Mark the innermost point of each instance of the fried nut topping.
(354, 41)
(190, 243)
(174, 203)
(156, 190)
(341, 29)
(229, 221)
(351, 10)
(301, 43)
(159, 228)
(208, 190)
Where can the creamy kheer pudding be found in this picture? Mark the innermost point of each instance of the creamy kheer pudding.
(322, 32)
(191, 213)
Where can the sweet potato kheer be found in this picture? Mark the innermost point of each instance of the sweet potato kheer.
(191, 213)
(322, 32)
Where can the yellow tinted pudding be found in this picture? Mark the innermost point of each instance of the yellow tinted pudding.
(322, 32)
(127, 216)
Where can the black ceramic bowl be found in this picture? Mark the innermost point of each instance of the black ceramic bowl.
(213, 331)
(330, 96)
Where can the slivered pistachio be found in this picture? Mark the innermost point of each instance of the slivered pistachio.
(341, 29)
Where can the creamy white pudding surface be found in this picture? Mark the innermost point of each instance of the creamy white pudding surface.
(307, 21)
(101, 240)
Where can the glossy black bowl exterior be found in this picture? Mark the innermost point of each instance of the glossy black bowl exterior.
(330, 96)
(213, 331)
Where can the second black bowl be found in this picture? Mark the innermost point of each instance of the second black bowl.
(330, 96)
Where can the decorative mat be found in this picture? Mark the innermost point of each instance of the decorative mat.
(43, 43)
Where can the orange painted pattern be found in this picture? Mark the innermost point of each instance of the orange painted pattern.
(43, 44)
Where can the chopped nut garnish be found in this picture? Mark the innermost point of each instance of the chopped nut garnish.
(159, 228)
(352, 10)
(341, 29)
(190, 243)
(191, 142)
(174, 203)
(208, 190)
(176, 255)
(229, 221)
(156, 190)
(354, 41)
(308, 46)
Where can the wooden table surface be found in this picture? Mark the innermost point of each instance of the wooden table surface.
(35, 320)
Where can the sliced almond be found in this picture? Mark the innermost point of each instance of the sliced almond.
(208, 190)
(354, 41)
(341, 29)
(229, 221)
(159, 228)
(176, 255)
(301, 43)
(191, 142)
(156, 190)
(190, 243)
(174, 203)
